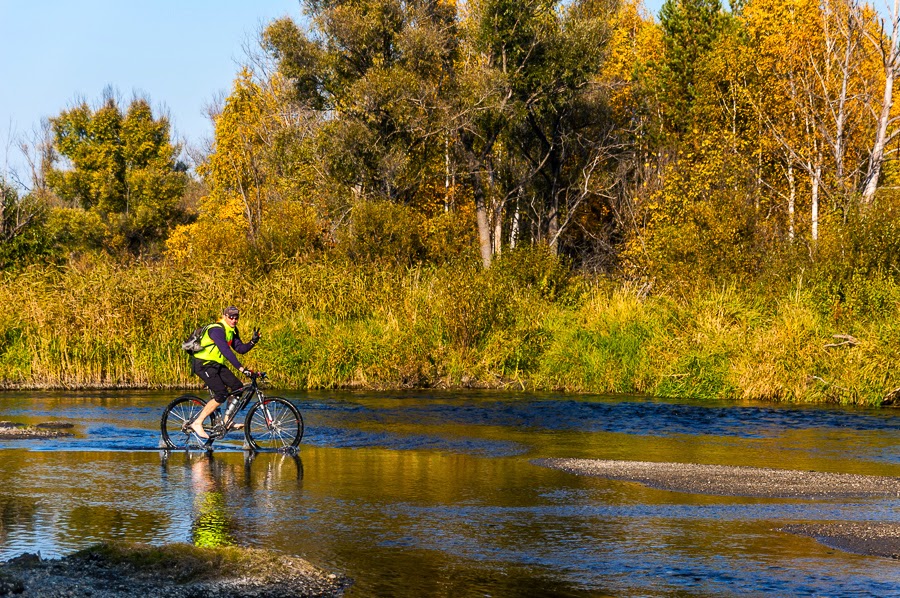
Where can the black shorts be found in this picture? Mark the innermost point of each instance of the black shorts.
(217, 377)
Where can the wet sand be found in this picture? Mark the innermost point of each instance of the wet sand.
(17, 431)
(123, 570)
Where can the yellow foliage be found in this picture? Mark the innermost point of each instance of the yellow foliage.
(245, 175)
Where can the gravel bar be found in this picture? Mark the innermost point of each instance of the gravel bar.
(116, 570)
(17, 431)
(869, 538)
(723, 480)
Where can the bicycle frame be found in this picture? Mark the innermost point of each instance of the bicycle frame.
(245, 395)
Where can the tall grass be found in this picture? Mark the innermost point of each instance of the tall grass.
(526, 323)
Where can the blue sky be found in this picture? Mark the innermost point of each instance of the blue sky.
(180, 53)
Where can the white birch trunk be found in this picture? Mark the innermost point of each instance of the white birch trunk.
(876, 159)
(514, 229)
(792, 199)
(817, 177)
(498, 230)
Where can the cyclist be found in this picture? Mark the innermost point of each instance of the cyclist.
(219, 343)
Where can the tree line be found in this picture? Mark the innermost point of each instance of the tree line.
(713, 141)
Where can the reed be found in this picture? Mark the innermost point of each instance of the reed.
(329, 324)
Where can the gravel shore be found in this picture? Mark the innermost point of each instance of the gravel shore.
(174, 571)
(17, 431)
(733, 481)
(869, 538)
(873, 539)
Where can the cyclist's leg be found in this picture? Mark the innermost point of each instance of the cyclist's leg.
(231, 382)
(212, 375)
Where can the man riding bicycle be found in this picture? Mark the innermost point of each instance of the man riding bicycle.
(219, 343)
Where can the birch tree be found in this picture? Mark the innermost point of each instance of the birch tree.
(886, 45)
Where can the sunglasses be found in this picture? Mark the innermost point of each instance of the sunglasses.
(232, 318)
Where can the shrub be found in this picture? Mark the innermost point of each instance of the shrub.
(382, 232)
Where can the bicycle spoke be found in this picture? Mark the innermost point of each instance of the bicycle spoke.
(175, 419)
(274, 425)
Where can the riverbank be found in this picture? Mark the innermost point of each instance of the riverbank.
(530, 326)
(871, 539)
(118, 570)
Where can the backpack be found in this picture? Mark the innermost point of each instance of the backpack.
(192, 343)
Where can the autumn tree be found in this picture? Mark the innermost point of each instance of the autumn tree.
(537, 140)
(814, 83)
(691, 29)
(260, 202)
(22, 217)
(885, 45)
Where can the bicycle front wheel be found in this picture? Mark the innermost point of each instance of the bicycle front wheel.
(175, 419)
(273, 424)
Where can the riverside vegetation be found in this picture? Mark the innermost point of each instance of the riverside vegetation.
(529, 322)
(499, 193)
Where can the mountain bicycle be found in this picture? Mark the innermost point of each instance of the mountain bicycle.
(272, 423)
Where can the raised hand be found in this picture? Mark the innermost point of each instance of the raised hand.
(256, 336)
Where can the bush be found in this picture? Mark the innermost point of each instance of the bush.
(76, 229)
(857, 262)
(538, 268)
(703, 227)
(383, 232)
(450, 236)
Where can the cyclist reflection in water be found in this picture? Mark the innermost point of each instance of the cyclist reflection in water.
(212, 526)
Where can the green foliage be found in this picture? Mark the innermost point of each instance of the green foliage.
(691, 29)
(472, 304)
(76, 229)
(702, 228)
(380, 66)
(23, 238)
(121, 169)
(541, 270)
(449, 237)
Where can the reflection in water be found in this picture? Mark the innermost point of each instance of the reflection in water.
(16, 513)
(271, 468)
(213, 481)
(212, 522)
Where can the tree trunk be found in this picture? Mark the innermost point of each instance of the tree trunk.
(484, 227)
(514, 228)
(816, 178)
(792, 184)
(876, 159)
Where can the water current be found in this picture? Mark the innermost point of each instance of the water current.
(437, 494)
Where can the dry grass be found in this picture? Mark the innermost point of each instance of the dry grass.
(335, 324)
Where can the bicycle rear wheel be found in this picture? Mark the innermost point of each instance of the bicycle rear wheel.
(273, 424)
(177, 414)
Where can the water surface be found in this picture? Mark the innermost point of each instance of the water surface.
(423, 494)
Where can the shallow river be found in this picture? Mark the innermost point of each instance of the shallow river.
(435, 494)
